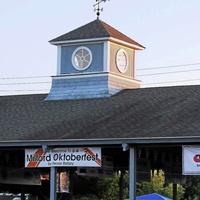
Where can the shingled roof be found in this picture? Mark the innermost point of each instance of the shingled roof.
(95, 29)
(166, 112)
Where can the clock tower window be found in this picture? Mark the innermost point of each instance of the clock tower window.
(81, 58)
(122, 60)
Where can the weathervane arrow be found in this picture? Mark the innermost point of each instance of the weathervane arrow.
(98, 9)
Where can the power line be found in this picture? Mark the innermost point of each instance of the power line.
(173, 72)
(24, 83)
(141, 69)
(178, 81)
(150, 74)
(28, 77)
(24, 90)
(170, 66)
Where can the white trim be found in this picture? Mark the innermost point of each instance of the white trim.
(81, 75)
(106, 57)
(124, 78)
(81, 43)
(134, 63)
(98, 39)
(118, 64)
(58, 60)
(80, 40)
(122, 46)
(126, 43)
(96, 74)
(73, 58)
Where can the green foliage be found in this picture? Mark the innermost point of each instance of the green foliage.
(85, 186)
(88, 197)
(157, 185)
(110, 187)
(192, 186)
(93, 188)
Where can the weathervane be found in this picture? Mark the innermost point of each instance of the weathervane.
(98, 9)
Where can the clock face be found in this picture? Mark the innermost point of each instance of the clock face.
(81, 58)
(122, 60)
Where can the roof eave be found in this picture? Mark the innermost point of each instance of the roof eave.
(79, 41)
(133, 46)
(103, 142)
(66, 42)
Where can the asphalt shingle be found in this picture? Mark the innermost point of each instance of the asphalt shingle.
(134, 113)
(95, 29)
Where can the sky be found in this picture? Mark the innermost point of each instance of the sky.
(169, 29)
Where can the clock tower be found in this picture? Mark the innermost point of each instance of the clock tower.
(93, 61)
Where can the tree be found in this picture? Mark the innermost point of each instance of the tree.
(157, 185)
(192, 186)
(110, 187)
(94, 188)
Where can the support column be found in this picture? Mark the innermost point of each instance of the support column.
(132, 174)
(53, 195)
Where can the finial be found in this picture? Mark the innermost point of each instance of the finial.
(98, 9)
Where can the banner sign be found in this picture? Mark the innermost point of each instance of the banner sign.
(62, 157)
(191, 160)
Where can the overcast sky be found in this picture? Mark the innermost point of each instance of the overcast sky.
(169, 29)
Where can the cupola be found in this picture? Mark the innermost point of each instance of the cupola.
(93, 61)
